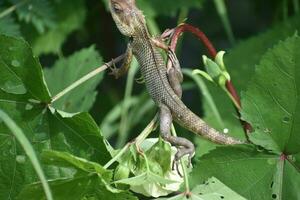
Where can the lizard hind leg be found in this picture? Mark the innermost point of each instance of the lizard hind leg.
(174, 73)
(184, 146)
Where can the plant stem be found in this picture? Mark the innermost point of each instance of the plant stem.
(86, 78)
(222, 11)
(11, 9)
(185, 174)
(145, 133)
(233, 100)
(138, 140)
(125, 106)
(25, 144)
(117, 156)
(182, 15)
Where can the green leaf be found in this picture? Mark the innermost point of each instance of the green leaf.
(18, 133)
(252, 174)
(64, 159)
(20, 72)
(66, 71)
(70, 16)
(44, 127)
(219, 111)
(91, 180)
(160, 153)
(75, 189)
(78, 135)
(8, 26)
(212, 189)
(252, 49)
(37, 12)
(271, 102)
(81, 136)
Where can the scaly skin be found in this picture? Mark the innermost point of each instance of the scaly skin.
(130, 21)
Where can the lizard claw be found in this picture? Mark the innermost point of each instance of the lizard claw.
(114, 70)
(182, 151)
(176, 164)
(167, 34)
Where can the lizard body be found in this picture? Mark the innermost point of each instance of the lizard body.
(130, 21)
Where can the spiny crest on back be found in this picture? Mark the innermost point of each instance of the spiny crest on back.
(127, 16)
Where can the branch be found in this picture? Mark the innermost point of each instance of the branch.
(87, 77)
(212, 52)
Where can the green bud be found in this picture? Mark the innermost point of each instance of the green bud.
(121, 172)
(203, 74)
(220, 61)
(222, 81)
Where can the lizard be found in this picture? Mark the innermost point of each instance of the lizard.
(161, 83)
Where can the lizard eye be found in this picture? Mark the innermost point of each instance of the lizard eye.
(117, 8)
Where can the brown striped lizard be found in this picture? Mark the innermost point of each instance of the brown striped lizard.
(163, 85)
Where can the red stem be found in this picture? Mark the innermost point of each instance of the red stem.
(212, 51)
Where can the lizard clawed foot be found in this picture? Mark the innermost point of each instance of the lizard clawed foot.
(182, 151)
(114, 70)
(167, 34)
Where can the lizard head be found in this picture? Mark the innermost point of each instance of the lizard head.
(128, 18)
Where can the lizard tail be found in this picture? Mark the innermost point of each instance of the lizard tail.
(186, 118)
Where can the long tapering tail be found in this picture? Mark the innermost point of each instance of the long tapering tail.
(186, 118)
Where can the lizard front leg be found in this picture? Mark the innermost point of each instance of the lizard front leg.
(118, 72)
(184, 146)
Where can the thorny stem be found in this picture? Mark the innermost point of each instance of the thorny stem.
(212, 51)
(87, 77)
(185, 174)
(137, 141)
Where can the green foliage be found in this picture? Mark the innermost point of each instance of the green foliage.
(21, 72)
(152, 173)
(251, 50)
(275, 89)
(70, 16)
(212, 189)
(44, 127)
(90, 179)
(243, 169)
(74, 156)
(154, 8)
(66, 71)
(8, 26)
(278, 177)
(37, 12)
(219, 111)
(41, 21)
(19, 135)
